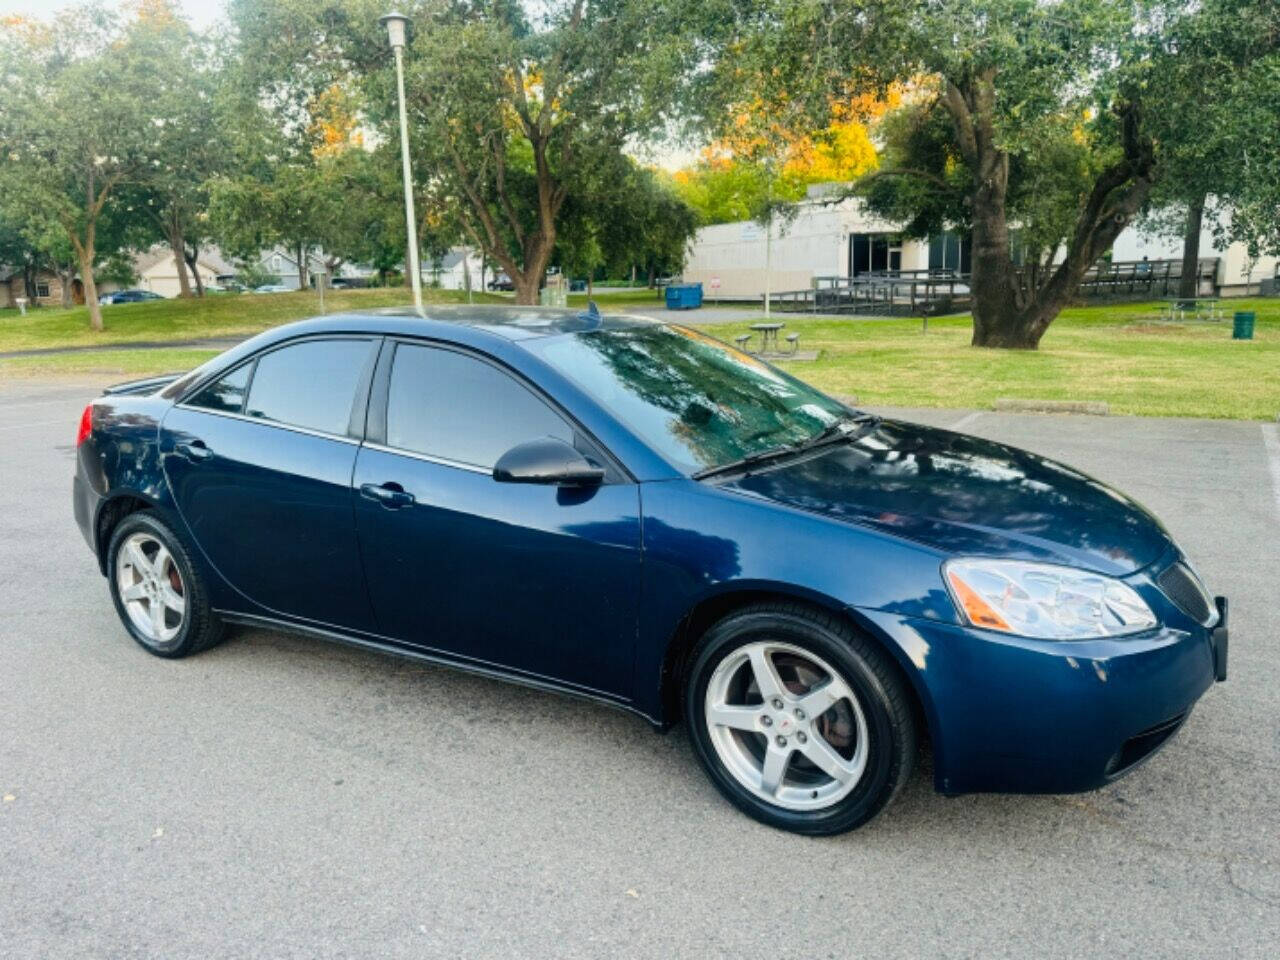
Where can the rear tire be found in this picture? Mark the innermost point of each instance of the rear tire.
(800, 721)
(161, 599)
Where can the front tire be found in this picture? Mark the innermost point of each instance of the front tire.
(159, 596)
(800, 721)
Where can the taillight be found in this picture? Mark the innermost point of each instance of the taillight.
(86, 425)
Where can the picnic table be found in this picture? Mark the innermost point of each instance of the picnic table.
(1200, 308)
(768, 335)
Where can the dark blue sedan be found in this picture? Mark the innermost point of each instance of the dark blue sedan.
(640, 514)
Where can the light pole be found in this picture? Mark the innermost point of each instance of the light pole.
(395, 24)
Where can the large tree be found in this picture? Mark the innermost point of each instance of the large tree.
(512, 106)
(188, 148)
(756, 165)
(1217, 122)
(77, 125)
(632, 222)
(1018, 109)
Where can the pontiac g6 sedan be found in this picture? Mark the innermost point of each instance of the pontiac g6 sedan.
(639, 514)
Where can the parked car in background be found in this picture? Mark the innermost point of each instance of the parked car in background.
(577, 286)
(501, 282)
(642, 515)
(272, 288)
(128, 296)
(348, 283)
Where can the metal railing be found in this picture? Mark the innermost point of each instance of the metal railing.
(938, 292)
(888, 293)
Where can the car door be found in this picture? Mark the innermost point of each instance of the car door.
(260, 465)
(543, 580)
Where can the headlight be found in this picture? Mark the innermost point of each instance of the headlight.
(1045, 601)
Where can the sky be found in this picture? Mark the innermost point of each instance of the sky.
(200, 12)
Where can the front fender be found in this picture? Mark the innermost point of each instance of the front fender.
(705, 548)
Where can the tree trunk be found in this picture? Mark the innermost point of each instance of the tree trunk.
(67, 276)
(90, 287)
(1011, 308)
(304, 279)
(1189, 285)
(178, 246)
(997, 319)
(526, 288)
(193, 264)
(29, 284)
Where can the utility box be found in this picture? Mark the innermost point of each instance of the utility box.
(555, 293)
(684, 296)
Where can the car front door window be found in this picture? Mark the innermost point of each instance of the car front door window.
(458, 408)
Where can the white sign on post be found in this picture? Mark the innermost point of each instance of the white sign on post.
(715, 283)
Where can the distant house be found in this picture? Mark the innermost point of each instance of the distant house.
(451, 271)
(283, 264)
(48, 288)
(158, 272)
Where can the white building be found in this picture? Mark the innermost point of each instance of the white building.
(452, 271)
(841, 239)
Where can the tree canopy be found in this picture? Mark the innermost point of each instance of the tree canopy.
(514, 109)
(1020, 116)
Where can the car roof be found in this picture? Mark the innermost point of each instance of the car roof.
(510, 322)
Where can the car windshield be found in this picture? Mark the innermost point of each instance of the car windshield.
(698, 402)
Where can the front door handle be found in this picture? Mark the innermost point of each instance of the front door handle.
(193, 450)
(390, 494)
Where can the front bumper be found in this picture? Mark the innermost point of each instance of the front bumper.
(1016, 715)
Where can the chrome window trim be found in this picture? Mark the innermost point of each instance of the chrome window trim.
(344, 438)
(441, 461)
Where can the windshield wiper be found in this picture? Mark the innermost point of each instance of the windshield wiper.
(773, 453)
(846, 428)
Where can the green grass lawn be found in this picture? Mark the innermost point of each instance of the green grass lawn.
(609, 297)
(215, 316)
(1121, 354)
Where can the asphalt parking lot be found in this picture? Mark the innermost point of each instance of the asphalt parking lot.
(279, 797)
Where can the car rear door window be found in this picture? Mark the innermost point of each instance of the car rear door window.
(310, 385)
(225, 395)
(449, 405)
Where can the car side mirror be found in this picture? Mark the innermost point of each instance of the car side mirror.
(548, 461)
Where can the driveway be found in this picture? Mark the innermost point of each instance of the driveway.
(280, 797)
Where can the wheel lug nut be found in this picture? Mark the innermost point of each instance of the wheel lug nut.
(767, 721)
(782, 741)
(802, 738)
(777, 703)
(799, 714)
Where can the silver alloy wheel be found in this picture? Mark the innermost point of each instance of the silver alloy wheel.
(775, 734)
(150, 588)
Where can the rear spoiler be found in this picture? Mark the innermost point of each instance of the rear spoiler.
(139, 387)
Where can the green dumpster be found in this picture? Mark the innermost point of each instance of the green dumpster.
(1242, 329)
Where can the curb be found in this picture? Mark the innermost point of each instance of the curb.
(1095, 408)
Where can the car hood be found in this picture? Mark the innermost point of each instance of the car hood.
(966, 496)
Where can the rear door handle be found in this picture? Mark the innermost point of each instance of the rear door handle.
(390, 494)
(193, 450)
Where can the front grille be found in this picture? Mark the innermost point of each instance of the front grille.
(1184, 588)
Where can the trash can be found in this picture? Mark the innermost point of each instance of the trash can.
(1242, 328)
(684, 296)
